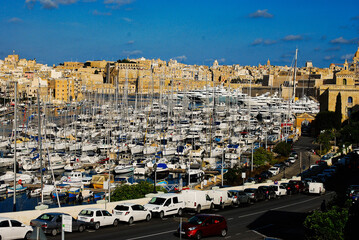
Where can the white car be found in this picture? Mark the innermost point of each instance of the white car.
(13, 229)
(130, 212)
(279, 190)
(98, 217)
(291, 159)
(274, 170)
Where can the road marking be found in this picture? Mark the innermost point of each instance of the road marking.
(228, 237)
(259, 233)
(230, 219)
(289, 205)
(151, 235)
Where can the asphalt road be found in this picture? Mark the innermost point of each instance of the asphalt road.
(305, 158)
(277, 218)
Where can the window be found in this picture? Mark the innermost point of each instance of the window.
(59, 218)
(4, 224)
(350, 99)
(15, 223)
(168, 202)
(175, 200)
(46, 217)
(344, 81)
(137, 207)
(98, 214)
(106, 213)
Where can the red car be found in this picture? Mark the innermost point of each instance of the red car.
(203, 225)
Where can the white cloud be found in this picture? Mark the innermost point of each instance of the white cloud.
(260, 41)
(49, 4)
(131, 53)
(97, 13)
(14, 20)
(327, 58)
(221, 60)
(116, 4)
(261, 14)
(130, 42)
(347, 56)
(127, 19)
(292, 38)
(180, 58)
(341, 40)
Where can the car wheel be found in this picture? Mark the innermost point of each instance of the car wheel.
(198, 210)
(27, 236)
(162, 214)
(81, 228)
(180, 212)
(97, 225)
(148, 217)
(130, 221)
(211, 207)
(198, 235)
(224, 232)
(115, 223)
(53, 232)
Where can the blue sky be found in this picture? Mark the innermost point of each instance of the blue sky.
(244, 32)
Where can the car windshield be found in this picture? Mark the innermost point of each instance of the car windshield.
(121, 208)
(196, 220)
(249, 190)
(157, 201)
(46, 217)
(86, 213)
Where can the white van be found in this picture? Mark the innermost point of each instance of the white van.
(316, 188)
(221, 198)
(166, 204)
(196, 200)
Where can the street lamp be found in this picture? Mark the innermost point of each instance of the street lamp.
(155, 178)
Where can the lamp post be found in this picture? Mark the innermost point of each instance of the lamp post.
(155, 178)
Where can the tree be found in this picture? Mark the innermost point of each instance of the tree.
(338, 112)
(126, 192)
(326, 225)
(325, 120)
(232, 175)
(261, 156)
(324, 139)
(283, 149)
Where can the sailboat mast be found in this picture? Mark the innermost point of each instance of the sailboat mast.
(295, 73)
(15, 138)
(39, 139)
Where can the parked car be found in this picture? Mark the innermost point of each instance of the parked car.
(351, 189)
(197, 200)
(294, 154)
(13, 229)
(291, 189)
(239, 197)
(204, 225)
(166, 204)
(97, 217)
(221, 198)
(255, 194)
(274, 170)
(279, 190)
(51, 223)
(316, 188)
(299, 185)
(130, 212)
(268, 192)
(292, 159)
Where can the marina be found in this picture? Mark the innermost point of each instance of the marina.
(176, 139)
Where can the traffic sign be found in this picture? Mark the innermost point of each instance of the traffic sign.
(275, 182)
(67, 223)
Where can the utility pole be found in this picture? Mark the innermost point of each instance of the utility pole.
(15, 136)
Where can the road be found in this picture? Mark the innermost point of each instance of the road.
(278, 218)
(305, 158)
